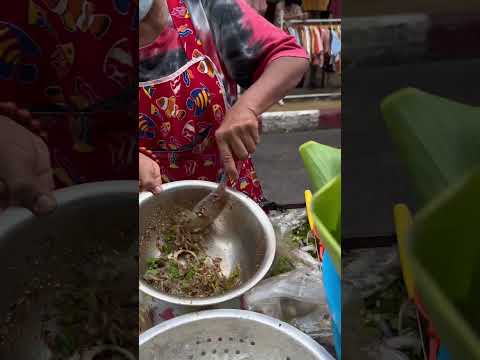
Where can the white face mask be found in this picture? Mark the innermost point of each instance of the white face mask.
(144, 7)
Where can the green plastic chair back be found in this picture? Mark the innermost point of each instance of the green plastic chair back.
(327, 209)
(445, 254)
(439, 142)
(322, 163)
(438, 139)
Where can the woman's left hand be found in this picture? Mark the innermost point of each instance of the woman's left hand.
(149, 174)
(237, 137)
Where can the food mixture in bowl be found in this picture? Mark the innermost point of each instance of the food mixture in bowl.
(90, 318)
(183, 268)
(86, 309)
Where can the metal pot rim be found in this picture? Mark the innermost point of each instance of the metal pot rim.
(259, 275)
(13, 217)
(291, 331)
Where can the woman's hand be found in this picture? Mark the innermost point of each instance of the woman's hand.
(19, 115)
(12, 111)
(149, 174)
(25, 172)
(237, 137)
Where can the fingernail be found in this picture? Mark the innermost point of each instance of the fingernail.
(157, 189)
(44, 205)
(233, 178)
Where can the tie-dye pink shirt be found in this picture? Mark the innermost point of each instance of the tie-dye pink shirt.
(239, 40)
(78, 54)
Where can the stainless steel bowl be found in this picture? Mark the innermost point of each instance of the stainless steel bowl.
(35, 247)
(228, 335)
(242, 234)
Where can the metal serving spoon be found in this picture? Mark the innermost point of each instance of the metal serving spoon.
(207, 210)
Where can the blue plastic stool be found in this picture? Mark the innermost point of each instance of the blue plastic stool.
(333, 292)
(443, 354)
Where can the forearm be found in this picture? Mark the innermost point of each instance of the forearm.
(277, 80)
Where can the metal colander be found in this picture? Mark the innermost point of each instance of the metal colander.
(228, 335)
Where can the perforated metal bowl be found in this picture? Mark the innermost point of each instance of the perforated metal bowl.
(228, 335)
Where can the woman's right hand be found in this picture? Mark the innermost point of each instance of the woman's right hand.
(149, 174)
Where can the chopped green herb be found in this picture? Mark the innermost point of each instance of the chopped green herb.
(152, 264)
(183, 268)
(282, 265)
(166, 248)
(299, 235)
(173, 270)
(234, 278)
(190, 274)
(169, 235)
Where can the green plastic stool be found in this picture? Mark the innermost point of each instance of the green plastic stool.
(439, 142)
(445, 256)
(323, 164)
(327, 208)
(437, 138)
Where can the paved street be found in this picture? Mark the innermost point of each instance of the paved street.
(280, 167)
(372, 177)
(384, 7)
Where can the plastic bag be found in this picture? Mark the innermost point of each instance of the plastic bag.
(285, 221)
(277, 296)
(382, 352)
(317, 325)
(145, 320)
(375, 329)
(297, 297)
(371, 270)
(295, 246)
(295, 292)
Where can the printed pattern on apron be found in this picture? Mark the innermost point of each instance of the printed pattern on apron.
(179, 114)
(46, 68)
(90, 147)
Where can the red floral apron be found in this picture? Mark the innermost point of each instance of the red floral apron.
(179, 114)
(45, 65)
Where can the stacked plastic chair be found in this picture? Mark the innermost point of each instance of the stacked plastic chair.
(439, 143)
(323, 165)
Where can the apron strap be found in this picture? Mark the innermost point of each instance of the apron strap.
(182, 20)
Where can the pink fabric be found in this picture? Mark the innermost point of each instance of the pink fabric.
(241, 44)
(318, 44)
(326, 40)
(276, 43)
(166, 41)
(319, 39)
(318, 58)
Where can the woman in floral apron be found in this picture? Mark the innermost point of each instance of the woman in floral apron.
(192, 55)
(45, 66)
